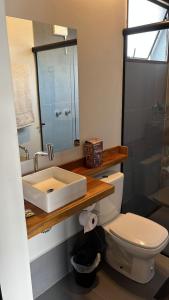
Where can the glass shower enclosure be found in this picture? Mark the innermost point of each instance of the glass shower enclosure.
(146, 122)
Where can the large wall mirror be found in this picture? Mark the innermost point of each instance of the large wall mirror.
(45, 81)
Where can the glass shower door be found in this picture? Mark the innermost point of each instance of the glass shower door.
(143, 133)
(146, 127)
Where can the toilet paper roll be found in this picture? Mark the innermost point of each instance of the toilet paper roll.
(91, 207)
(88, 220)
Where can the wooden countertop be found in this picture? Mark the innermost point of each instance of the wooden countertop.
(96, 190)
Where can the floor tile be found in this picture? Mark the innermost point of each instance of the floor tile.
(109, 285)
(77, 292)
(54, 293)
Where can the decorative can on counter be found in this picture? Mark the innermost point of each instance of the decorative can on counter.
(93, 152)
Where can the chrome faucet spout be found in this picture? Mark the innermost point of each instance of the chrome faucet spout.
(49, 153)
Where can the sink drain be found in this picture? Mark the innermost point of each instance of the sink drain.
(50, 190)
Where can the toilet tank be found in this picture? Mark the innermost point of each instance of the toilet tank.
(109, 207)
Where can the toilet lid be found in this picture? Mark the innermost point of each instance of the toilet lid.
(138, 230)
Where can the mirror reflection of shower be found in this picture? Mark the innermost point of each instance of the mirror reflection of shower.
(45, 79)
(58, 94)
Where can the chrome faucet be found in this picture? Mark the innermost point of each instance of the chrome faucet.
(49, 153)
(25, 150)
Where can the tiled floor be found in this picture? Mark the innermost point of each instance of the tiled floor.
(110, 285)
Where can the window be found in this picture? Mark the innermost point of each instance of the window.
(149, 45)
(141, 12)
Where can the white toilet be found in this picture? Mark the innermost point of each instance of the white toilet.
(132, 241)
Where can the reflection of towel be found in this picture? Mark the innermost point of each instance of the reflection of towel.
(22, 94)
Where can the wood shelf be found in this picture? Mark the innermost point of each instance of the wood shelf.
(111, 157)
(96, 190)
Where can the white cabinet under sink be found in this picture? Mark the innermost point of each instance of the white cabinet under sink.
(44, 242)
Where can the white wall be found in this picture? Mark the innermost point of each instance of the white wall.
(14, 260)
(99, 24)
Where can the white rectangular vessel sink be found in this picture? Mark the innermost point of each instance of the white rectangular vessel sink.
(53, 188)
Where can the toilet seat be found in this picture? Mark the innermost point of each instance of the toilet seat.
(138, 231)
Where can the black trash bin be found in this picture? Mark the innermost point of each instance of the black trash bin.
(87, 255)
(85, 275)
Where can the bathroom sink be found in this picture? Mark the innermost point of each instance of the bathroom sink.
(53, 188)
